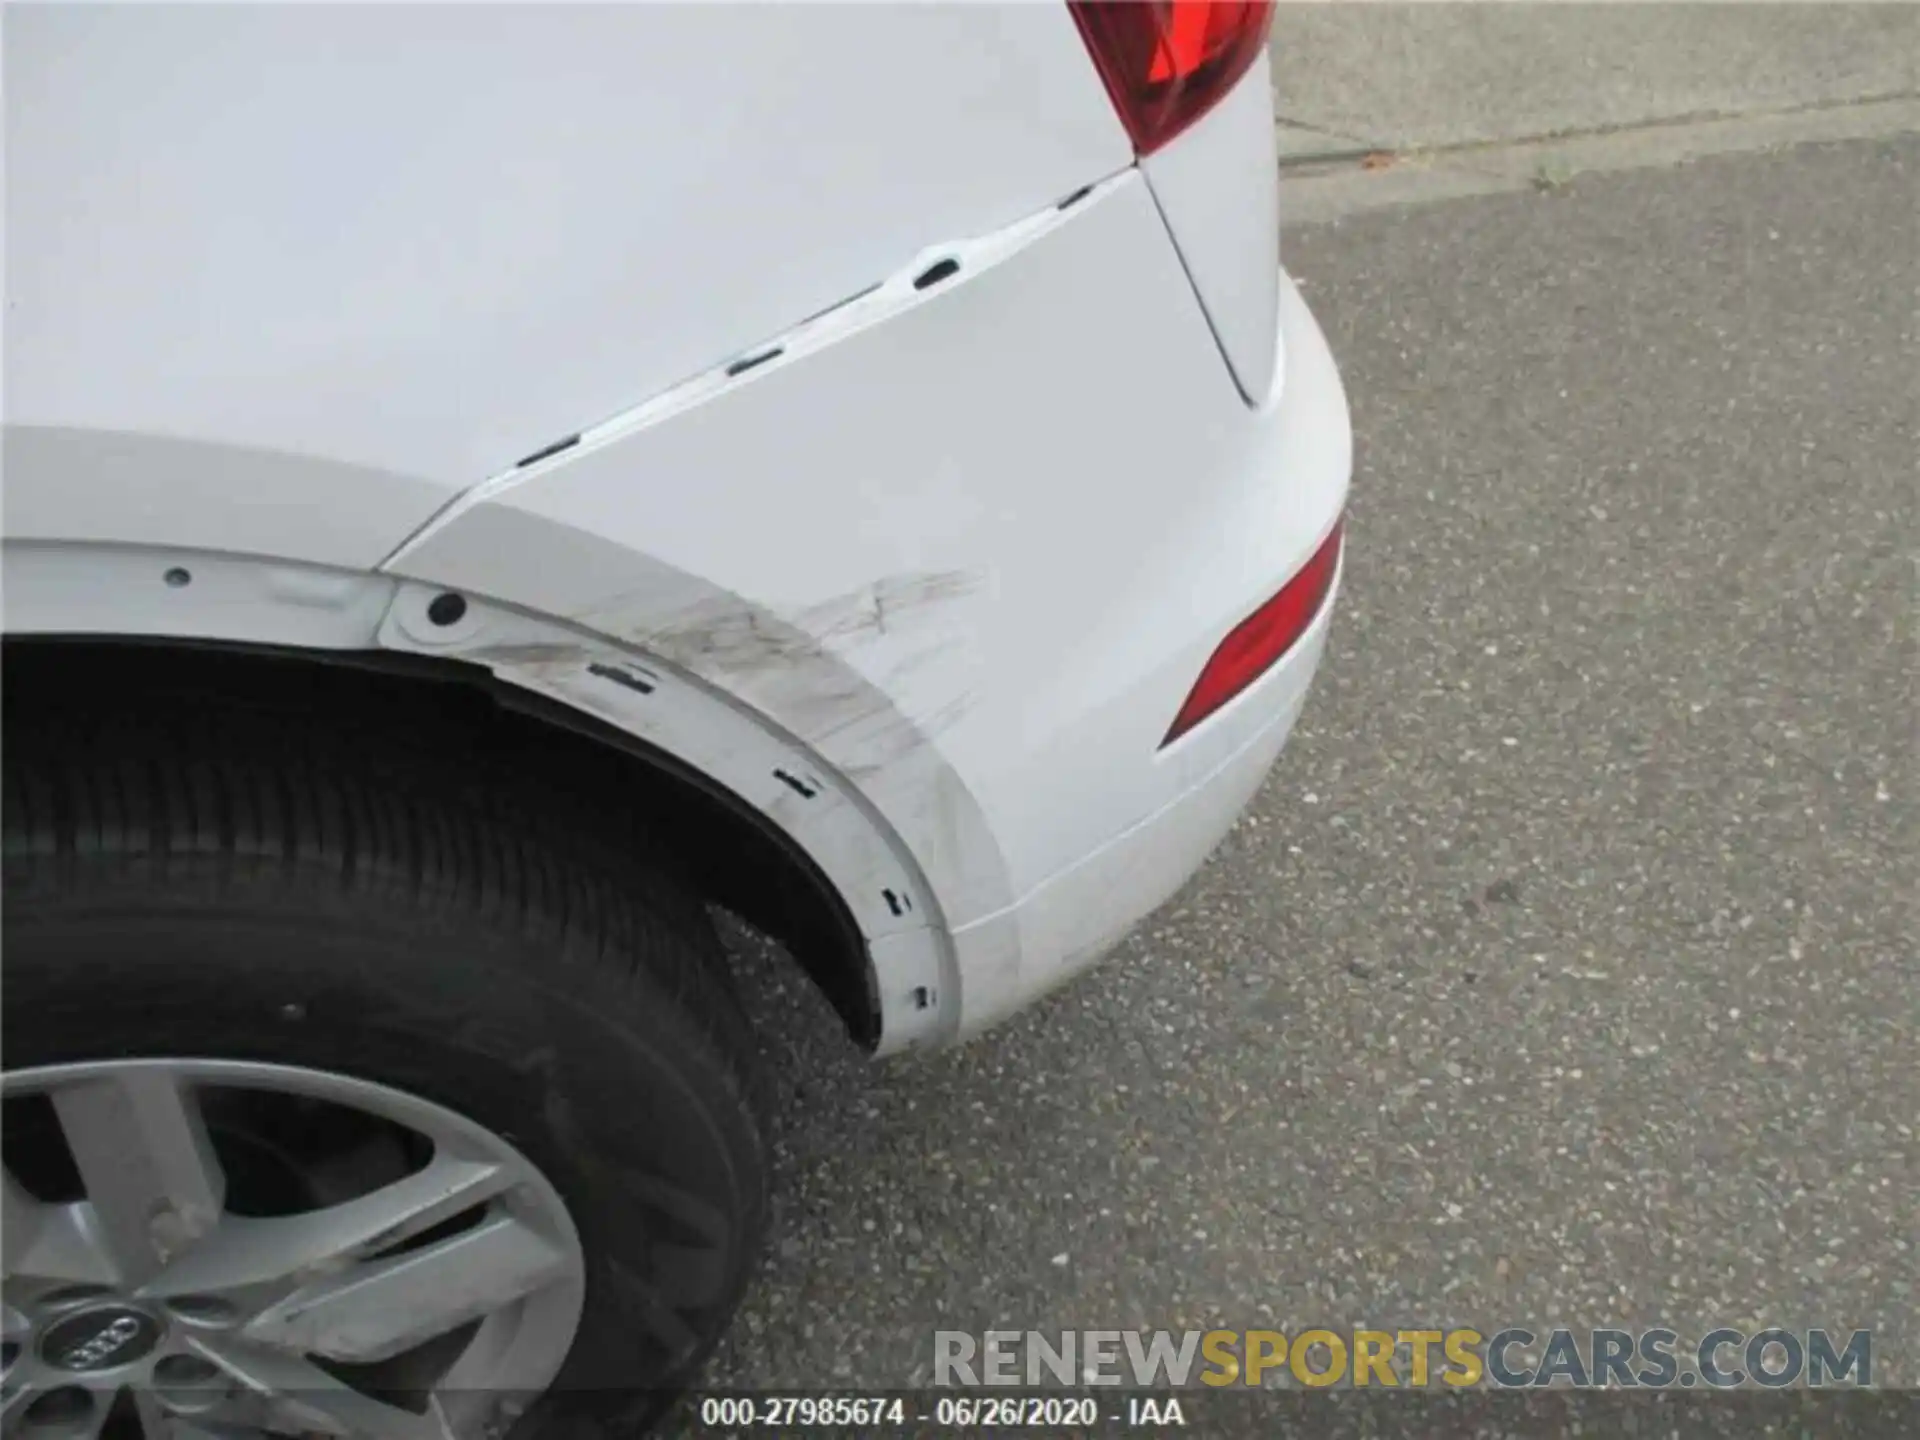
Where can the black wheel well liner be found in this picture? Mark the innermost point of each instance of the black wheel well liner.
(737, 857)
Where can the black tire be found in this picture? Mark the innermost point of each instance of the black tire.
(217, 882)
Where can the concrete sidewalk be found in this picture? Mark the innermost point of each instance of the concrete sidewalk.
(1461, 98)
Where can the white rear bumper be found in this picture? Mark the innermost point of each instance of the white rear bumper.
(1190, 794)
(1075, 917)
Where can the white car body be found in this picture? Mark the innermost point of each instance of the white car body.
(293, 294)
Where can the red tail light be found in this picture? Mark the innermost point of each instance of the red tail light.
(1263, 637)
(1166, 62)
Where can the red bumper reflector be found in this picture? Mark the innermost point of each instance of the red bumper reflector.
(1252, 646)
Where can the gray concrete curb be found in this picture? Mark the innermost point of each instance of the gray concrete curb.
(1321, 188)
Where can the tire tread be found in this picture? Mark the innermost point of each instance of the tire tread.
(292, 795)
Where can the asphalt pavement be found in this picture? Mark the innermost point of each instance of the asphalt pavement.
(1564, 972)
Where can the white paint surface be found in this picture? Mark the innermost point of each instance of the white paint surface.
(432, 239)
(1218, 186)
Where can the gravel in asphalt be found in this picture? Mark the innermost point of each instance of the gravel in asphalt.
(1564, 972)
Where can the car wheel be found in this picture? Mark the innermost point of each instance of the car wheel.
(353, 1087)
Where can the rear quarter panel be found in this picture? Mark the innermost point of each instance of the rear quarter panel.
(429, 240)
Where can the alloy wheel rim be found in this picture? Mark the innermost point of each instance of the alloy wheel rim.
(223, 1247)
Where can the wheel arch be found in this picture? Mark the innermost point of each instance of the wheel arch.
(761, 824)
